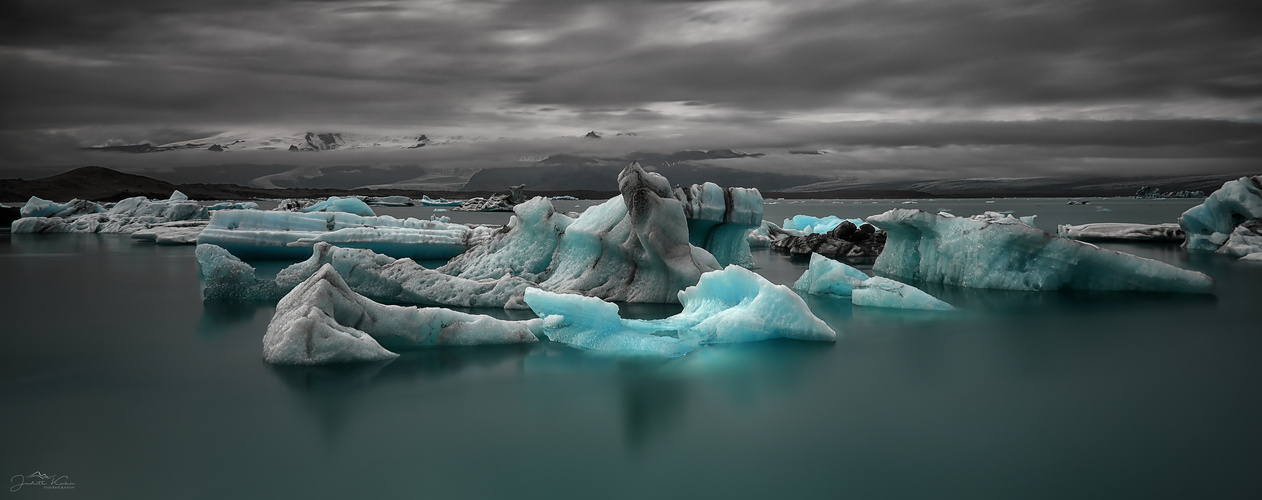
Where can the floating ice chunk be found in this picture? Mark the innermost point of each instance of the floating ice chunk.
(348, 205)
(389, 201)
(1210, 224)
(418, 244)
(524, 248)
(810, 224)
(1245, 239)
(127, 216)
(172, 233)
(229, 205)
(632, 248)
(826, 276)
(229, 279)
(1121, 231)
(731, 305)
(377, 276)
(1014, 256)
(177, 196)
(39, 207)
(592, 324)
(268, 234)
(829, 277)
(720, 220)
(323, 321)
(441, 202)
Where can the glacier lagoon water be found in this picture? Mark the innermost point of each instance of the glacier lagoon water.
(115, 375)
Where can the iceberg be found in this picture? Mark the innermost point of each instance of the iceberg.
(270, 234)
(441, 202)
(231, 205)
(1005, 253)
(1121, 231)
(1209, 225)
(1245, 241)
(810, 224)
(39, 207)
(376, 276)
(720, 220)
(844, 242)
(389, 201)
(127, 216)
(826, 276)
(323, 321)
(524, 247)
(725, 306)
(347, 205)
(172, 233)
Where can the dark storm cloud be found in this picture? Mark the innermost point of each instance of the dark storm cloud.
(1130, 79)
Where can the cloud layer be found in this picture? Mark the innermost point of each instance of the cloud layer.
(878, 83)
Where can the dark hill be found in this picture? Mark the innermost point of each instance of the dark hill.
(88, 183)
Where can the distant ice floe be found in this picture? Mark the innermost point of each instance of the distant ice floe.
(389, 201)
(1004, 253)
(1212, 224)
(127, 216)
(819, 225)
(323, 321)
(1121, 231)
(826, 276)
(725, 306)
(172, 233)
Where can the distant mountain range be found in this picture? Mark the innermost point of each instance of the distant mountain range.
(255, 141)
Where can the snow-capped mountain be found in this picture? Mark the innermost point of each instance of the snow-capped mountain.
(295, 141)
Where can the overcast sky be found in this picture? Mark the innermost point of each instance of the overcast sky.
(933, 88)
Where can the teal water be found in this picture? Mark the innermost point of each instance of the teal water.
(115, 375)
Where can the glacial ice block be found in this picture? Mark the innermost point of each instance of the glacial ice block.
(829, 277)
(731, 305)
(720, 220)
(352, 205)
(524, 248)
(982, 253)
(127, 216)
(269, 234)
(323, 321)
(1121, 231)
(1245, 240)
(229, 279)
(1210, 224)
(172, 233)
(818, 225)
(39, 207)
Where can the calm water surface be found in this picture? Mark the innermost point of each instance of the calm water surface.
(115, 374)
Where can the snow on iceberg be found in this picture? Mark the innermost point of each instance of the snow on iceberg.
(996, 253)
(1121, 231)
(720, 220)
(323, 321)
(270, 234)
(1209, 225)
(127, 216)
(826, 276)
(729, 305)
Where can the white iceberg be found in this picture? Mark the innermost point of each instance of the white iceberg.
(172, 233)
(39, 207)
(271, 234)
(731, 305)
(233, 205)
(1244, 241)
(127, 216)
(826, 276)
(986, 253)
(376, 276)
(1209, 225)
(322, 321)
(1121, 231)
(524, 248)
